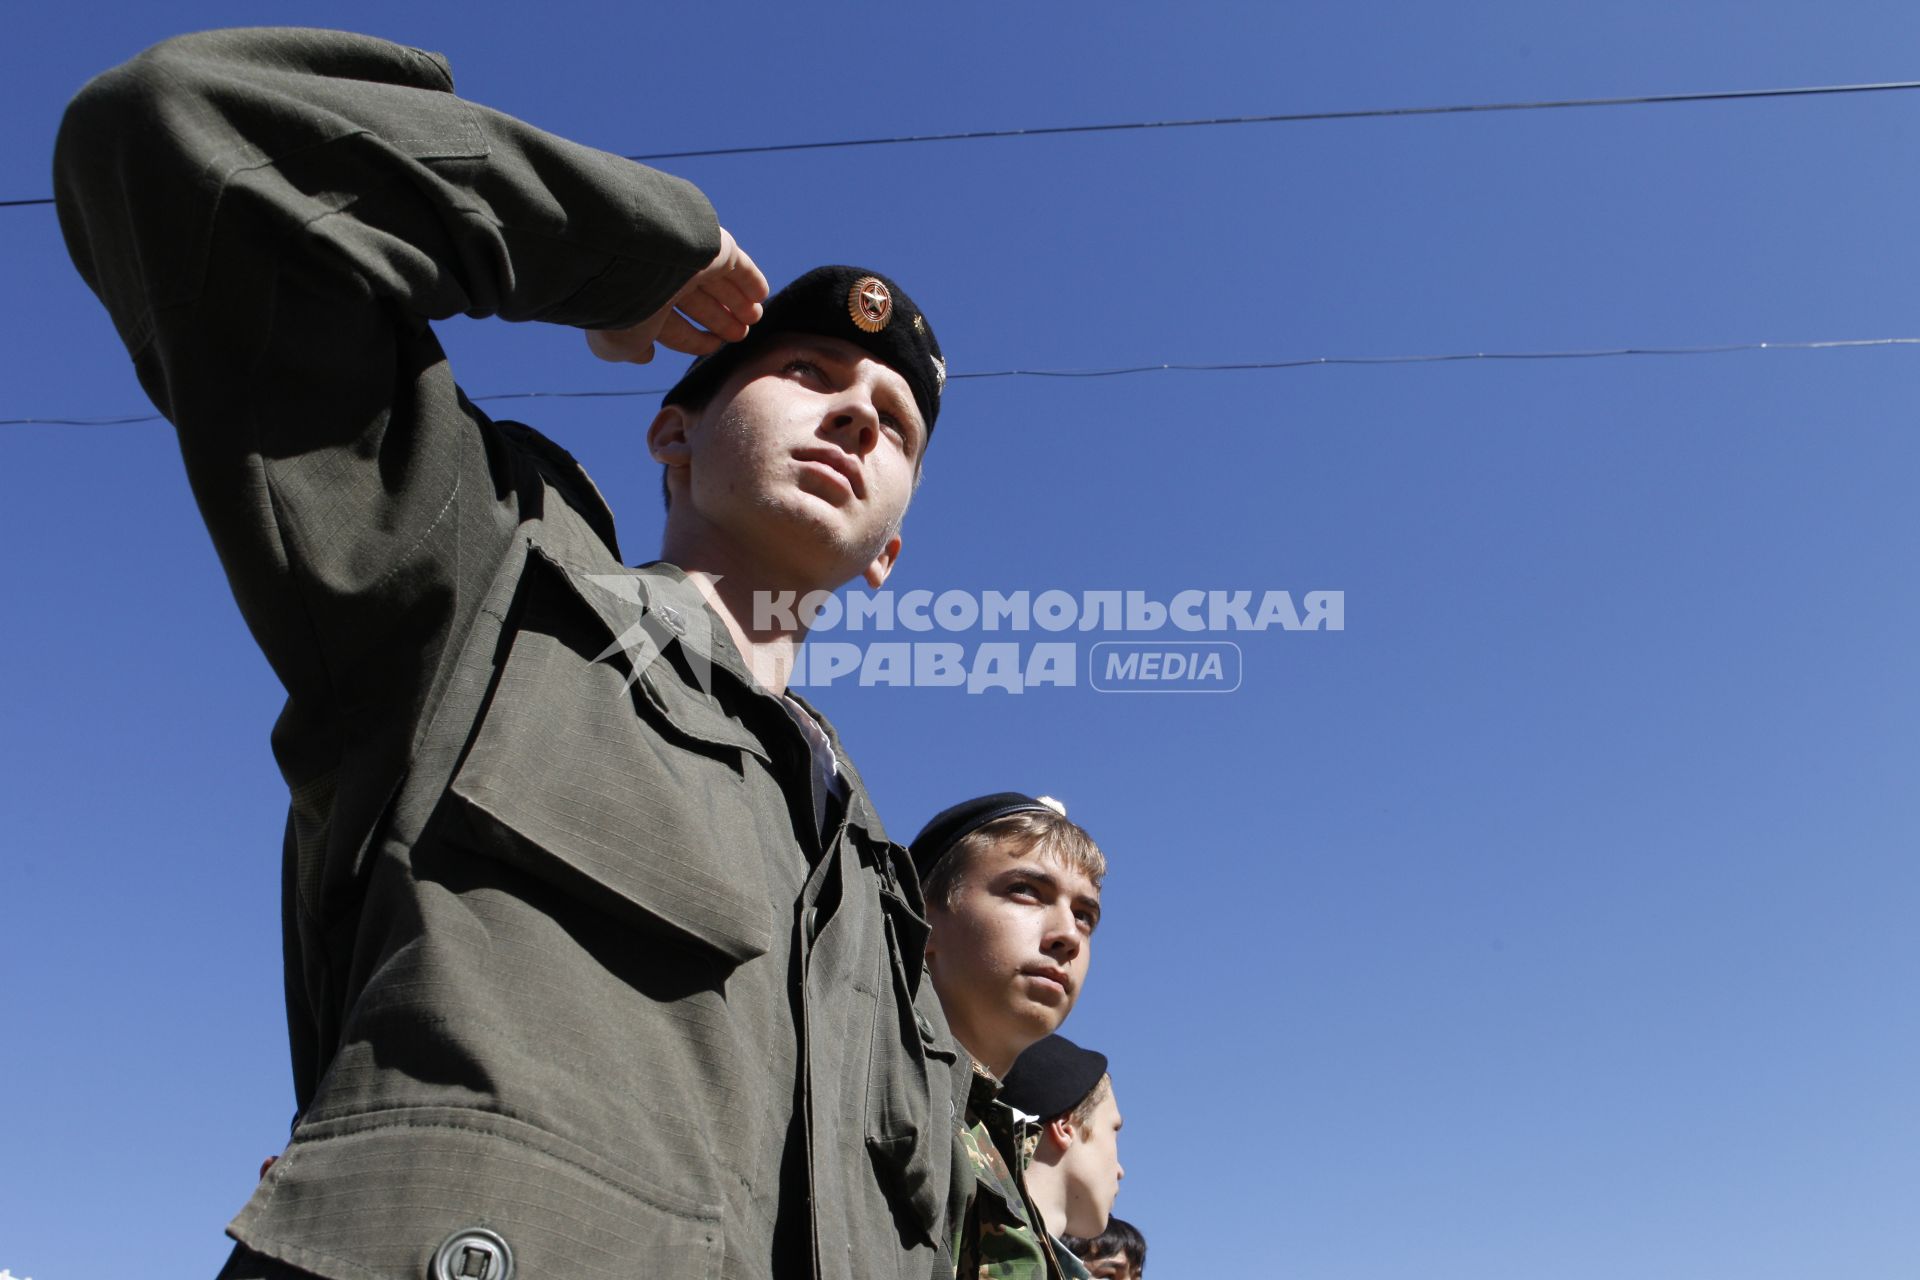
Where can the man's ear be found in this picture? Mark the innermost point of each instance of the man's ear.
(667, 436)
(876, 573)
(1061, 1131)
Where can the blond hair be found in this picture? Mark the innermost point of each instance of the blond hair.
(1052, 836)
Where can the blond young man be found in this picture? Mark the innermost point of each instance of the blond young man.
(1013, 900)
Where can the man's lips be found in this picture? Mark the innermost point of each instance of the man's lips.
(837, 461)
(1053, 977)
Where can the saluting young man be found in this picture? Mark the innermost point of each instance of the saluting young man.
(1013, 897)
(599, 960)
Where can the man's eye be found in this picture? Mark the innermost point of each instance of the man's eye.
(900, 431)
(807, 367)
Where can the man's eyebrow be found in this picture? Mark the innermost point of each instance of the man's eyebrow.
(1031, 871)
(1039, 872)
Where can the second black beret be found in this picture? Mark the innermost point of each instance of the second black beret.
(1052, 1077)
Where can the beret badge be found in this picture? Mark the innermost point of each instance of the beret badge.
(870, 303)
(849, 304)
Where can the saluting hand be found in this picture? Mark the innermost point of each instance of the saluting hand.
(724, 297)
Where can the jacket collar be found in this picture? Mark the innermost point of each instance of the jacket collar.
(664, 630)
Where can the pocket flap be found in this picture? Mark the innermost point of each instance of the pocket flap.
(571, 779)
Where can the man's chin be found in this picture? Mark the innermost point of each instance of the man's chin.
(794, 566)
(814, 540)
(1045, 1019)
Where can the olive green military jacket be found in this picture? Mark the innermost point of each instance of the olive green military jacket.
(572, 969)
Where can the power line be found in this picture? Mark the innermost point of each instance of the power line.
(1289, 117)
(1596, 353)
(1304, 117)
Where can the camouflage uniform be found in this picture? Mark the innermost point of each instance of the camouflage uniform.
(1000, 1236)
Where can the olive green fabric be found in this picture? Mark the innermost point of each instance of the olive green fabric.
(998, 1234)
(568, 957)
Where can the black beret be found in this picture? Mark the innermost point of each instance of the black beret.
(950, 824)
(1052, 1077)
(860, 306)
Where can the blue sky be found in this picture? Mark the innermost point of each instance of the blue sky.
(1554, 918)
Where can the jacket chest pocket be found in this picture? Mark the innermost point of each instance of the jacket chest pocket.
(909, 1105)
(581, 777)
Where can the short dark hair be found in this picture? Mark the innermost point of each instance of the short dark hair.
(1120, 1236)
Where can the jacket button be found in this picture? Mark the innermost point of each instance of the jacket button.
(473, 1253)
(671, 616)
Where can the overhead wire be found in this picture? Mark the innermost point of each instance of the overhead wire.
(1299, 117)
(1304, 362)
(1305, 117)
(1284, 117)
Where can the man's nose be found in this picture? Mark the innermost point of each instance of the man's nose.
(1063, 931)
(856, 425)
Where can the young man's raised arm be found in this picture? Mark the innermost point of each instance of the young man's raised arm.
(272, 217)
